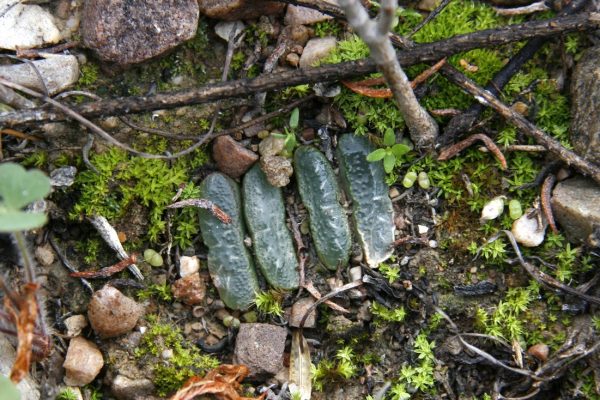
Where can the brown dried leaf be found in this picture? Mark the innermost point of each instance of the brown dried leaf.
(300, 366)
(363, 88)
(206, 204)
(223, 382)
(24, 319)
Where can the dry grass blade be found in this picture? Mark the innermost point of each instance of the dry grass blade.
(300, 366)
(206, 204)
(222, 382)
(24, 316)
(310, 288)
(108, 271)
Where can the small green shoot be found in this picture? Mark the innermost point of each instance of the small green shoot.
(391, 154)
(384, 314)
(161, 292)
(67, 394)
(290, 133)
(18, 188)
(269, 303)
(391, 272)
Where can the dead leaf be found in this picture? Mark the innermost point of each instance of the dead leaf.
(223, 382)
(108, 271)
(24, 318)
(300, 366)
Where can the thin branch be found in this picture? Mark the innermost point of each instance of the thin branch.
(374, 32)
(421, 53)
(488, 99)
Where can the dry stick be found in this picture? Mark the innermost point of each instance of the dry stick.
(374, 32)
(429, 17)
(530, 9)
(546, 194)
(421, 53)
(528, 128)
(328, 296)
(546, 279)
(462, 123)
(453, 150)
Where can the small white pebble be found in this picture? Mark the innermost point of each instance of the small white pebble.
(422, 229)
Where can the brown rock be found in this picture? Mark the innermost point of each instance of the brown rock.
(316, 49)
(233, 10)
(44, 255)
(82, 363)
(232, 158)
(190, 289)
(111, 313)
(299, 309)
(539, 351)
(129, 32)
(298, 15)
(260, 347)
(576, 207)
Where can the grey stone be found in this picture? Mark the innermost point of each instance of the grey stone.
(125, 388)
(231, 157)
(223, 29)
(260, 347)
(26, 26)
(576, 207)
(277, 169)
(585, 91)
(83, 362)
(298, 15)
(232, 10)
(315, 50)
(63, 177)
(130, 32)
(58, 71)
(111, 313)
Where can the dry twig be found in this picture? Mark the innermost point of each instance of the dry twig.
(453, 150)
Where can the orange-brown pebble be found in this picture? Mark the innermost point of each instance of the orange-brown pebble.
(122, 236)
(539, 351)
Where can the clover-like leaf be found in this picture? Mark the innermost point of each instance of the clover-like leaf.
(294, 118)
(400, 149)
(389, 138)
(12, 221)
(376, 155)
(389, 161)
(19, 187)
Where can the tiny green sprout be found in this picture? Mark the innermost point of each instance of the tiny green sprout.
(67, 394)
(290, 142)
(153, 258)
(423, 180)
(18, 188)
(409, 179)
(514, 209)
(391, 154)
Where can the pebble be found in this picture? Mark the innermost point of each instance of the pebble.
(316, 49)
(190, 289)
(130, 32)
(188, 265)
(233, 10)
(82, 363)
(224, 29)
(63, 177)
(422, 229)
(271, 146)
(308, 134)
(277, 169)
(539, 351)
(260, 347)
(26, 26)
(394, 192)
(58, 71)
(75, 324)
(576, 207)
(111, 313)
(126, 388)
(355, 273)
(44, 255)
(293, 59)
(299, 309)
(298, 15)
(231, 157)
(526, 230)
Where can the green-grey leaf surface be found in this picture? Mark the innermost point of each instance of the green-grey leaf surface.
(19, 187)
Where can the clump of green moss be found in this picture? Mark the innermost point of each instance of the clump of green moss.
(124, 180)
(186, 360)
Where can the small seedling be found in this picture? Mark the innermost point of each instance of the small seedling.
(391, 154)
(290, 133)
